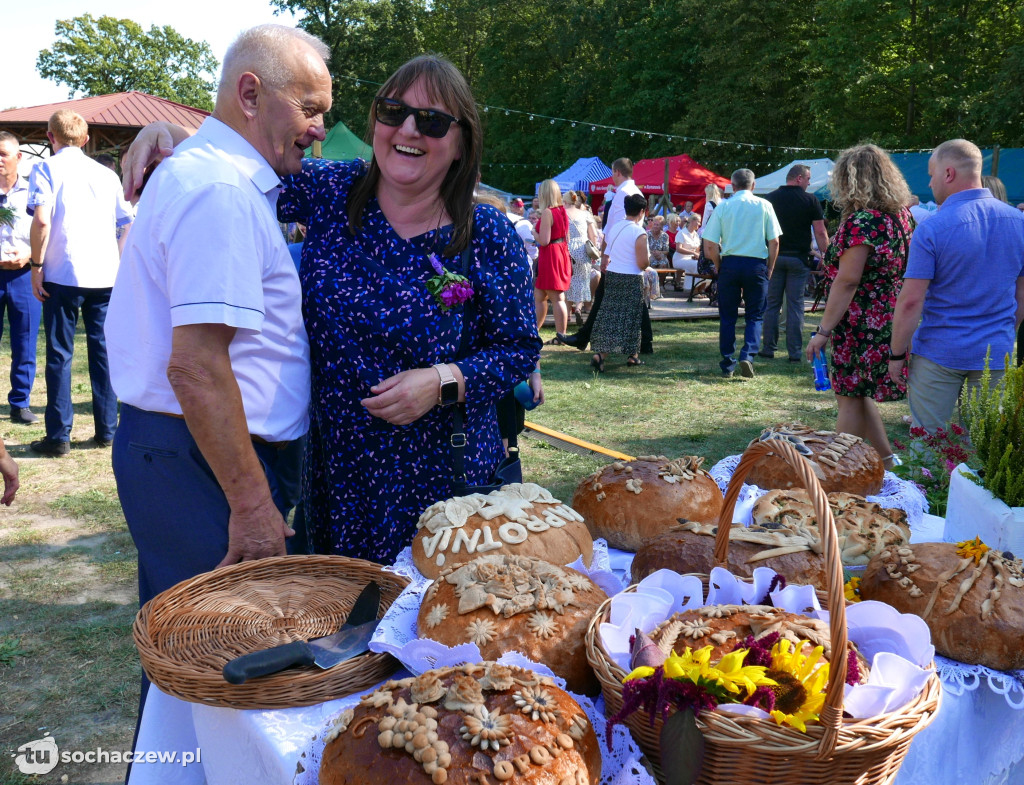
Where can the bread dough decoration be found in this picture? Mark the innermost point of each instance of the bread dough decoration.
(665, 491)
(864, 528)
(510, 724)
(690, 547)
(840, 461)
(523, 518)
(970, 596)
(726, 626)
(502, 602)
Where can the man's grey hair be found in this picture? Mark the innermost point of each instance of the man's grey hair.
(259, 49)
(742, 180)
(960, 154)
(797, 170)
(7, 136)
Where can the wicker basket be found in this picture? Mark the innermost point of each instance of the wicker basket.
(186, 634)
(743, 749)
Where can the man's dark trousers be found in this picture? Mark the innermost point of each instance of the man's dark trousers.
(60, 316)
(789, 278)
(23, 312)
(740, 278)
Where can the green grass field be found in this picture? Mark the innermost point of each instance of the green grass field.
(67, 564)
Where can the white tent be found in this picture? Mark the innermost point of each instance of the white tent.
(821, 171)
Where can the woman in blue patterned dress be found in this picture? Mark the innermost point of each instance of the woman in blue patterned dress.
(379, 446)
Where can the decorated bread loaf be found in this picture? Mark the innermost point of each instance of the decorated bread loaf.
(843, 462)
(864, 528)
(629, 503)
(504, 603)
(466, 725)
(524, 519)
(726, 627)
(971, 598)
(690, 547)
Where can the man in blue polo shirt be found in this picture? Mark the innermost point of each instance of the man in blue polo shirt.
(742, 239)
(964, 284)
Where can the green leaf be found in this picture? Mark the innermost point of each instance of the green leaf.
(682, 749)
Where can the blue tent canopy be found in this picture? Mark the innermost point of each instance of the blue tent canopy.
(1011, 171)
(580, 175)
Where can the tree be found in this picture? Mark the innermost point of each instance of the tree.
(107, 55)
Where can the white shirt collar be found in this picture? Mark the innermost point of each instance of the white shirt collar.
(243, 155)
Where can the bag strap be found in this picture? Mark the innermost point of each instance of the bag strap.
(458, 438)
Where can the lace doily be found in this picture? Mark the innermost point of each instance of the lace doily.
(958, 678)
(619, 766)
(895, 493)
(396, 634)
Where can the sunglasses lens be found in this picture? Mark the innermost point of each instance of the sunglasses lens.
(391, 112)
(432, 124)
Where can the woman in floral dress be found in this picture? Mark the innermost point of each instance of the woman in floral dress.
(864, 268)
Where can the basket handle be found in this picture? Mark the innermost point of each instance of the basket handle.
(832, 712)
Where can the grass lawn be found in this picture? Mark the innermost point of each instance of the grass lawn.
(67, 564)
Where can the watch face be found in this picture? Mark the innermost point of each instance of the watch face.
(449, 393)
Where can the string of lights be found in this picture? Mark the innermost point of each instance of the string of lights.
(634, 132)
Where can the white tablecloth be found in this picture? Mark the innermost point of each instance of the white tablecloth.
(976, 739)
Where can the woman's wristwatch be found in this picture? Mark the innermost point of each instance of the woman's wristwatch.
(897, 356)
(449, 393)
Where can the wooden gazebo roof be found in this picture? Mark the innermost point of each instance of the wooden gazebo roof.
(113, 119)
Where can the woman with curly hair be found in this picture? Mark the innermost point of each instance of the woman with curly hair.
(864, 267)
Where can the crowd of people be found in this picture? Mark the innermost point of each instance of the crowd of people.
(379, 358)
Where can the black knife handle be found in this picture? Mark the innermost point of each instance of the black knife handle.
(263, 663)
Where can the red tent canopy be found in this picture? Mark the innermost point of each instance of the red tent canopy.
(686, 180)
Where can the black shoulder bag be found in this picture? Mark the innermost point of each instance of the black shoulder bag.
(510, 470)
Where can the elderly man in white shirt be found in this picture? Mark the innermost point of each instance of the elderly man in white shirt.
(208, 351)
(77, 208)
(16, 298)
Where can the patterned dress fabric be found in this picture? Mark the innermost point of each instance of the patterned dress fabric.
(860, 342)
(554, 268)
(369, 316)
(619, 319)
(579, 286)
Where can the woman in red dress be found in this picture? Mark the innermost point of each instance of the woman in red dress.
(554, 267)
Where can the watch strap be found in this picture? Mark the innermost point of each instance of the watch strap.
(447, 379)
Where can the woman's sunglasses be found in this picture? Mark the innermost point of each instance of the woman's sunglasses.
(429, 122)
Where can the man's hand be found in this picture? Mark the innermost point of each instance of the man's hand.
(9, 470)
(13, 261)
(256, 533)
(404, 397)
(896, 372)
(37, 285)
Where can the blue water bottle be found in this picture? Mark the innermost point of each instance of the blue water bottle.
(820, 366)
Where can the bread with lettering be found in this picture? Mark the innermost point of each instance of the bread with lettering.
(502, 603)
(864, 528)
(971, 597)
(690, 547)
(842, 461)
(522, 519)
(628, 503)
(466, 725)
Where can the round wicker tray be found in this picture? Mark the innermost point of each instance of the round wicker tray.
(186, 634)
(743, 749)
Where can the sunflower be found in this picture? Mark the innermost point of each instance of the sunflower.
(801, 680)
(973, 549)
(852, 589)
